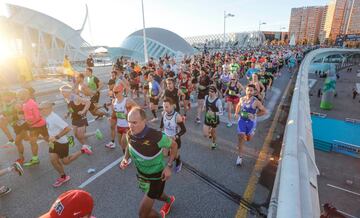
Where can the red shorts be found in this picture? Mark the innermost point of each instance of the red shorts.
(122, 130)
(232, 99)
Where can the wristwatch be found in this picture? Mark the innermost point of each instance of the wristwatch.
(170, 165)
(57, 137)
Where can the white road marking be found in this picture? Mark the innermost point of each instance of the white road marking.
(342, 189)
(107, 168)
(346, 214)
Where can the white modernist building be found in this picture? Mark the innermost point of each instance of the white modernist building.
(44, 40)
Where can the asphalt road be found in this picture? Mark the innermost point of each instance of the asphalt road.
(203, 189)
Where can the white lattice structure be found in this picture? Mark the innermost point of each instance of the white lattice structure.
(242, 39)
(44, 40)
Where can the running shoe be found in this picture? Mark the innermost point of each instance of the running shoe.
(239, 161)
(31, 162)
(71, 141)
(178, 168)
(197, 120)
(18, 168)
(86, 149)
(229, 125)
(213, 146)
(110, 145)
(11, 142)
(60, 181)
(167, 206)
(4, 190)
(20, 161)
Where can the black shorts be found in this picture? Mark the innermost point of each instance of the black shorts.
(202, 94)
(152, 184)
(62, 150)
(155, 101)
(213, 122)
(80, 123)
(36, 131)
(134, 87)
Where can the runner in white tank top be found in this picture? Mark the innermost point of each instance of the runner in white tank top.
(120, 108)
(173, 126)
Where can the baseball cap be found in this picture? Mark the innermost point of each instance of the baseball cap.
(71, 204)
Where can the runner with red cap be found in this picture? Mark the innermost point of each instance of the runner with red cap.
(72, 204)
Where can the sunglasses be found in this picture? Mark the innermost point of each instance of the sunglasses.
(116, 93)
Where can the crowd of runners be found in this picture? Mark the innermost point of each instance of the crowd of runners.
(234, 83)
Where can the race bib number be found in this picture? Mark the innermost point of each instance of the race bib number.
(120, 115)
(244, 114)
(144, 185)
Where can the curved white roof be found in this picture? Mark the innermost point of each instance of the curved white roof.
(167, 38)
(39, 21)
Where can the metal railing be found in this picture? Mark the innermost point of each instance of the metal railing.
(295, 193)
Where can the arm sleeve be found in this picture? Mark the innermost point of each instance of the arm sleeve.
(162, 122)
(182, 129)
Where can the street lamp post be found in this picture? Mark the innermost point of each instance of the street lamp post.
(144, 34)
(261, 23)
(281, 28)
(225, 16)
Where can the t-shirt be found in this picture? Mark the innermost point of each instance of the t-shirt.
(55, 125)
(32, 114)
(146, 150)
(154, 88)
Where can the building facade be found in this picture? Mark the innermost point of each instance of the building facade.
(306, 22)
(321, 23)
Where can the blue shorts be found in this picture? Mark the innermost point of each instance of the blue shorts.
(246, 127)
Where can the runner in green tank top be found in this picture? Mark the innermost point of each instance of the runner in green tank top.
(145, 146)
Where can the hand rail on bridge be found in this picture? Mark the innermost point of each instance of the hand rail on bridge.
(295, 193)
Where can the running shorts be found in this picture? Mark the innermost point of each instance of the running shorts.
(122, 130)
(151, 185)
(36, 131)
(232, 99)
(246, 127)
(62, 150)
(80, 123)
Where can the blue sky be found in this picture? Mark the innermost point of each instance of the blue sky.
(110, 21)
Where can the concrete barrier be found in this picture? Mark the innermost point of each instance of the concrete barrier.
(295, 191)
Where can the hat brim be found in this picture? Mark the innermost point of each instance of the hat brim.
(46, 215)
